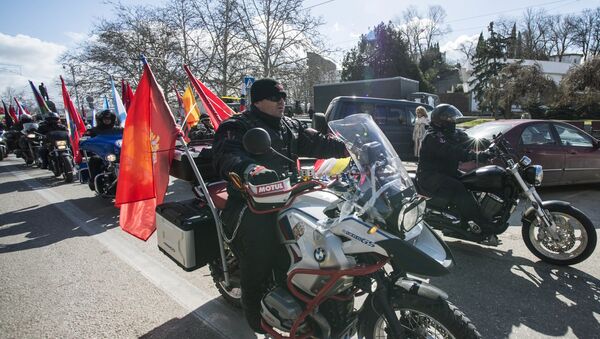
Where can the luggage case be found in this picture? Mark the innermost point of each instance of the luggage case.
(186, 233)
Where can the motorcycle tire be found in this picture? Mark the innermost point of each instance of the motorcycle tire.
(232, 294)
(438, 316)
(1, 155)
(588, 233)
(54, 167)
(68, 169)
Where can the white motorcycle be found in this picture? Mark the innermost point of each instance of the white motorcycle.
(361, 234)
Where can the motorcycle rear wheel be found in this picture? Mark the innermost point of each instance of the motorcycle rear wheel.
(421, 317)
(233, 293)
(577, 232)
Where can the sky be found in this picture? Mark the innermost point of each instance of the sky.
(36, 32)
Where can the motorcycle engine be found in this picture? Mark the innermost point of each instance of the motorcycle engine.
(280, 309)
(491, 204)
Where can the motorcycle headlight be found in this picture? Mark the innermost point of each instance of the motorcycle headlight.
(111, 157)
(534, 175)
(61, 143)
(31, 136)
(410, 216)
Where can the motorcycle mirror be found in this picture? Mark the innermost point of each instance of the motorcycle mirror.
(319, 123)
(257, 141)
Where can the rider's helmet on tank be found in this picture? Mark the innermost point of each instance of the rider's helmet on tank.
(52, 118)
(106, 114)
(444, 117)
(25, 118)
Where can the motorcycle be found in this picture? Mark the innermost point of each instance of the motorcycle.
(30, 144)
(554, 231)
(60, 156)
(103, 149)
(3, 145)
(341, 236)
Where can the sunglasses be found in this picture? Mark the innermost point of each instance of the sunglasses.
(277, 97)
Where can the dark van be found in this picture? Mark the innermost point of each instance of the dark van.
(395, 118)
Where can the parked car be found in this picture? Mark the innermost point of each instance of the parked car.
(567, 154)
(395, 117)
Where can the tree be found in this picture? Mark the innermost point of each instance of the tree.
(580, 89)
(223, 46)
(422, 32)
(381, 53)
(560, 35)
(534, 30)
(488, 61)
(278, 32)
(517, 84)
(586, 32)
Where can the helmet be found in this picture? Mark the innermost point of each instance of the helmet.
(52, 118)
(25, 118)
(444, 117)
(106, 114)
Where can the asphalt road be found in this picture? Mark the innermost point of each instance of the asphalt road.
(68, 271)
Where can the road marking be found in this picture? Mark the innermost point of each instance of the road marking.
(212, 312)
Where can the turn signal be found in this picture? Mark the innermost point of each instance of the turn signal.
(373, 229)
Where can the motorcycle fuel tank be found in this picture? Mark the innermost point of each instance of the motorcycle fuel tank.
(102, 144)
(485, 179)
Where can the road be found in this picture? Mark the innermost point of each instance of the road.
(68, 271)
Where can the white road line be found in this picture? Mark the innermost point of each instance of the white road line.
(214, 313)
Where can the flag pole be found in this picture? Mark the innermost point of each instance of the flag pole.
(213, 209)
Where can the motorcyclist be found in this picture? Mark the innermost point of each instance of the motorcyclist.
(437, 172)
(254, 235)
(50, 124)
(202, 130)
(22, 138)
(105, 125)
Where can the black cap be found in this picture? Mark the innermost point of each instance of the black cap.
(265, 88)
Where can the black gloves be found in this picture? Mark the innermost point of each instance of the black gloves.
(259, 175)
(484, 156)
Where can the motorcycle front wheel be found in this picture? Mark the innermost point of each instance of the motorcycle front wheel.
(420, 317)
(68, 169)
(576, 232)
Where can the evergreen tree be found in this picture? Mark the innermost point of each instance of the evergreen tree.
(488, 61)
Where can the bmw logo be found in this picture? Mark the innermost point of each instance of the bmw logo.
(320, 254)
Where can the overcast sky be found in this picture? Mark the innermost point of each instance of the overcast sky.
(34, 33)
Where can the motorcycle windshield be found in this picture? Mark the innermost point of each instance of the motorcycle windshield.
(29, 126)
(382, 175)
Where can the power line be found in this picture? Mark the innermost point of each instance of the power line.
(506, 11)
(319, 4)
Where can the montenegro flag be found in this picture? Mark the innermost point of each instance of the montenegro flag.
(146, 154)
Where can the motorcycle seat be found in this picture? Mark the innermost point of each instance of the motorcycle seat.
(218, 194)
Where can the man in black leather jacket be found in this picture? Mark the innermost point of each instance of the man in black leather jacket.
(442, 150)
(50, 124)
(255, 240)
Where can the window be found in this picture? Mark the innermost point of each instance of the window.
(399, 114)
(572, 137)
(538, 134)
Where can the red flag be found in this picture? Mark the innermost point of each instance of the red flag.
(126, 94)
(146, 155)
(217, 110)
(13, 113)
(20, 109)
(76, 119)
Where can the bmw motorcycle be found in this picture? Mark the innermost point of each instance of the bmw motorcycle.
(60, 156)
(554, 231)
(359, 235)
(106, 149)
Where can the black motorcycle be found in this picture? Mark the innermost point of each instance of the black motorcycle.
(30, 144)
(60, 156)
(3, 145)
(554, 231)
